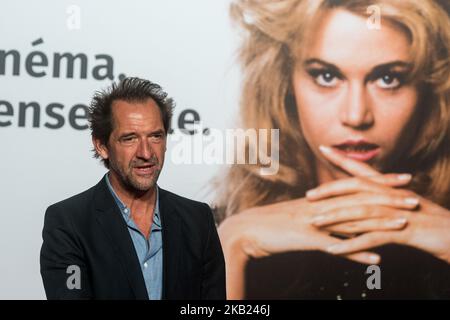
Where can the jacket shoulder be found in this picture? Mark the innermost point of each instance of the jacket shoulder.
(180, 200)
(74, 205)
(187, 208)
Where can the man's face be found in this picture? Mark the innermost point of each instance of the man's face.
(137, 144)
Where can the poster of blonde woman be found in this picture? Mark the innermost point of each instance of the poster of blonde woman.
(360, 93)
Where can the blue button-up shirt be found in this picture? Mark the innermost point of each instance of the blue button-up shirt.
(149, 251)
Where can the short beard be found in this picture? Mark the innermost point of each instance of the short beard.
(133, 185)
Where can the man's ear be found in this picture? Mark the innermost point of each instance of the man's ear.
(101, 149)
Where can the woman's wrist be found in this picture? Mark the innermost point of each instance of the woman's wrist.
(232, 236)
(231, 233)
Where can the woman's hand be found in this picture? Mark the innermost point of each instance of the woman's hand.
(427, 227)
(287, 226)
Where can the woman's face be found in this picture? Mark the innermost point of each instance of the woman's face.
(352, 92)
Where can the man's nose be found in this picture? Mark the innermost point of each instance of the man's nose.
(144, 150)
(356, 111)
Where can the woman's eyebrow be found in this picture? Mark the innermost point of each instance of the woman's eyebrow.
(323, 63)
(390, 65)
(375, 72)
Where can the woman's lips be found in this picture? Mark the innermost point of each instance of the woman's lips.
(360, 151)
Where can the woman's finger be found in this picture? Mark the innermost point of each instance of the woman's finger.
(355, 168)
(323, 241)
(370, 225)
(358, 184)
(356, 213)
(366, 199)
(364, 257)
(363, 242)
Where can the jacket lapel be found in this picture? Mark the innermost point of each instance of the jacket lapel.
(171, 234)
(115, 228)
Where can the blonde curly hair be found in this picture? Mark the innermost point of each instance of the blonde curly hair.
(272, 32)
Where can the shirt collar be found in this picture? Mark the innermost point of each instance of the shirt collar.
(126, 211)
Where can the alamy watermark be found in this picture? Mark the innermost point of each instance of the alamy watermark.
(73, 21)
(374, 20)
(374, 280)
(74, 279)
(230, 146)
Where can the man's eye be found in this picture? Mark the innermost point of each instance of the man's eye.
(157, 137)
(324, 78)
(128, 139)
(389, 81)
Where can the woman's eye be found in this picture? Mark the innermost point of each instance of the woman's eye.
(389, 81)
(325, 78)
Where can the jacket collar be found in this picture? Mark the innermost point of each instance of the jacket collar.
(115, 228)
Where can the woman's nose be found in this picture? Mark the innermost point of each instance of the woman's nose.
(356, 111)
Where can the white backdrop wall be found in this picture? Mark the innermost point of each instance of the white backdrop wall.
(186, 46)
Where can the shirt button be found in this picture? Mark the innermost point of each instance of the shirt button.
(126, 210)
(145, 265)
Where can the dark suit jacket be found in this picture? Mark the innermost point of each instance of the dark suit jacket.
(88, 231)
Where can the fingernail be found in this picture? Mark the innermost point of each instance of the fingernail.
(311, 193)
(336, 248)
(411, 201)
(404, 177)
(317, 219)
(397, 222)
(373, 258)
(325, 149)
